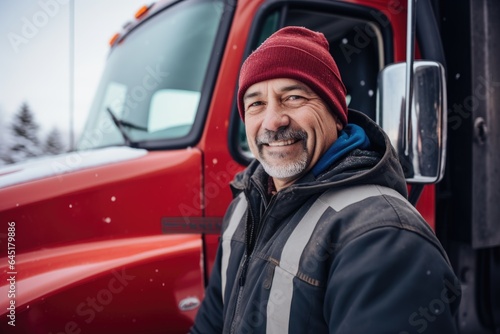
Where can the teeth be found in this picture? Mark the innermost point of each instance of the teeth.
(282, 143)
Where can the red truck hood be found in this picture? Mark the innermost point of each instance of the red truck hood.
(108, 193)
(39, 168)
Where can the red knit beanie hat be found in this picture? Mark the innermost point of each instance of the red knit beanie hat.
(300, 54)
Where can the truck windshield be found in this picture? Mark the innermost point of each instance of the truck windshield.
(151, 86)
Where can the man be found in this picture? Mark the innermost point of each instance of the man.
(320, 237)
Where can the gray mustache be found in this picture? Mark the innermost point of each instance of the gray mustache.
(282, 134)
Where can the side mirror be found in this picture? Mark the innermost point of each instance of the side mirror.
(422, 150)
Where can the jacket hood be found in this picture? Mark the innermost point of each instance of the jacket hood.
(379, 165)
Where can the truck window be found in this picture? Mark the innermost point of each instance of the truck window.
(356, 43)
(153, 79)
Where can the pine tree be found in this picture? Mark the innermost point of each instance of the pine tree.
(24, 137)
(53, 144)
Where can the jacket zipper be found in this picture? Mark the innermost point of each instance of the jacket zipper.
(238, 300)
(241, 283)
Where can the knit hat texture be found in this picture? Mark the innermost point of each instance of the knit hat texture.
(300, 54)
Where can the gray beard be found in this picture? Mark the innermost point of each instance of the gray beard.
(283, 171)
(288, 170)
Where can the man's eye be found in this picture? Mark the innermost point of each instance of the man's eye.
(254, 105)
(294, 101)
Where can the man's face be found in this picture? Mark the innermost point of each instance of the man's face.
(288, 127)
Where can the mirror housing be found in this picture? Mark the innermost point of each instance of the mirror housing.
(424, 159)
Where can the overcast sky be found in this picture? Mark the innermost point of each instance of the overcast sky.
(35, 56)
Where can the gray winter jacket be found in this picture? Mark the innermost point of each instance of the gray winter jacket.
(343, 252)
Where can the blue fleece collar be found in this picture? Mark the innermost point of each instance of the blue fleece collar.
(350, 138)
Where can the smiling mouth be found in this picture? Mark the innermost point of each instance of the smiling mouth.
(282, 138)
(282, 143)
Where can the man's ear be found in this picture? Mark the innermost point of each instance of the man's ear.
(339, 125)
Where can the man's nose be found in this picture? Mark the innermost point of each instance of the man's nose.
(275, 117)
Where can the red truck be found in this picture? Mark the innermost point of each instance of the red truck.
(120, 235)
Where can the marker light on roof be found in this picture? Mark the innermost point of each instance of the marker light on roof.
(113, 39)
(143, 10)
